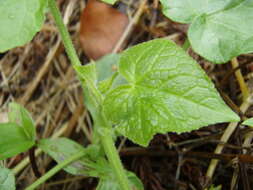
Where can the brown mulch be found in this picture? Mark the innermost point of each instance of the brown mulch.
(39, 76)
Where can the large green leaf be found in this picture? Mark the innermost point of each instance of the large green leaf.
(111, 183)
(19, 115)
(167, 91)
(13, 140)
(214, 32)
(7, 179)
(20, 20)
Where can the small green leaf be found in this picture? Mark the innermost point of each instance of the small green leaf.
(248, 122)
(215, 188)
(7, 179)
(110, 1)
(61, 148)
(100, 74)
(97, 78)
(107, 66)
(214, 31)
(20, 20)
(89, 79)
(107, 71)
(13, 140)
(110, 182)
(19, 115)
(167, 91)
(92, 96)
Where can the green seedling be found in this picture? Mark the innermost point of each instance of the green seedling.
(154, 87)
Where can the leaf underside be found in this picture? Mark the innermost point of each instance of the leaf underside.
(166, 91)
(7, 179)
(248, 122)
(62, 148)
(219, 30)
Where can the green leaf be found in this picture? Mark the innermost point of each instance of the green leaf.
(185, 11)
(215, 188)
(106, 69)
(19, 115)
(214, 31)
(89, 79)
(167, 91)
(7, 179)
(61, 148)
(248, 122)
(97, 78)
(20, 20)
(110, 1)
(13, 140)
(107, 66)
(110, 182)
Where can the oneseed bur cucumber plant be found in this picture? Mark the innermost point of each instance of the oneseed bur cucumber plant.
(157, 88)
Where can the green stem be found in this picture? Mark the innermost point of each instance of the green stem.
(114, 159)
(186, 44)
(67, 42)
(106, 139)
(54, 170)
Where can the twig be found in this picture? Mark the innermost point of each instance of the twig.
(240, 79)
(228, 132)
(242, 166)
(156, 152)
(130, 26)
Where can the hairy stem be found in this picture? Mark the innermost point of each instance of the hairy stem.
(67, 42)
(54, 170)
(106, 139)
(114, 159)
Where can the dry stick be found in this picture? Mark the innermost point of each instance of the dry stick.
(228, 132)
(240, 79)
(247, 141)
(156, 152)
(242, 166)
(130, 26)
(232, 126)
(43, 70)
